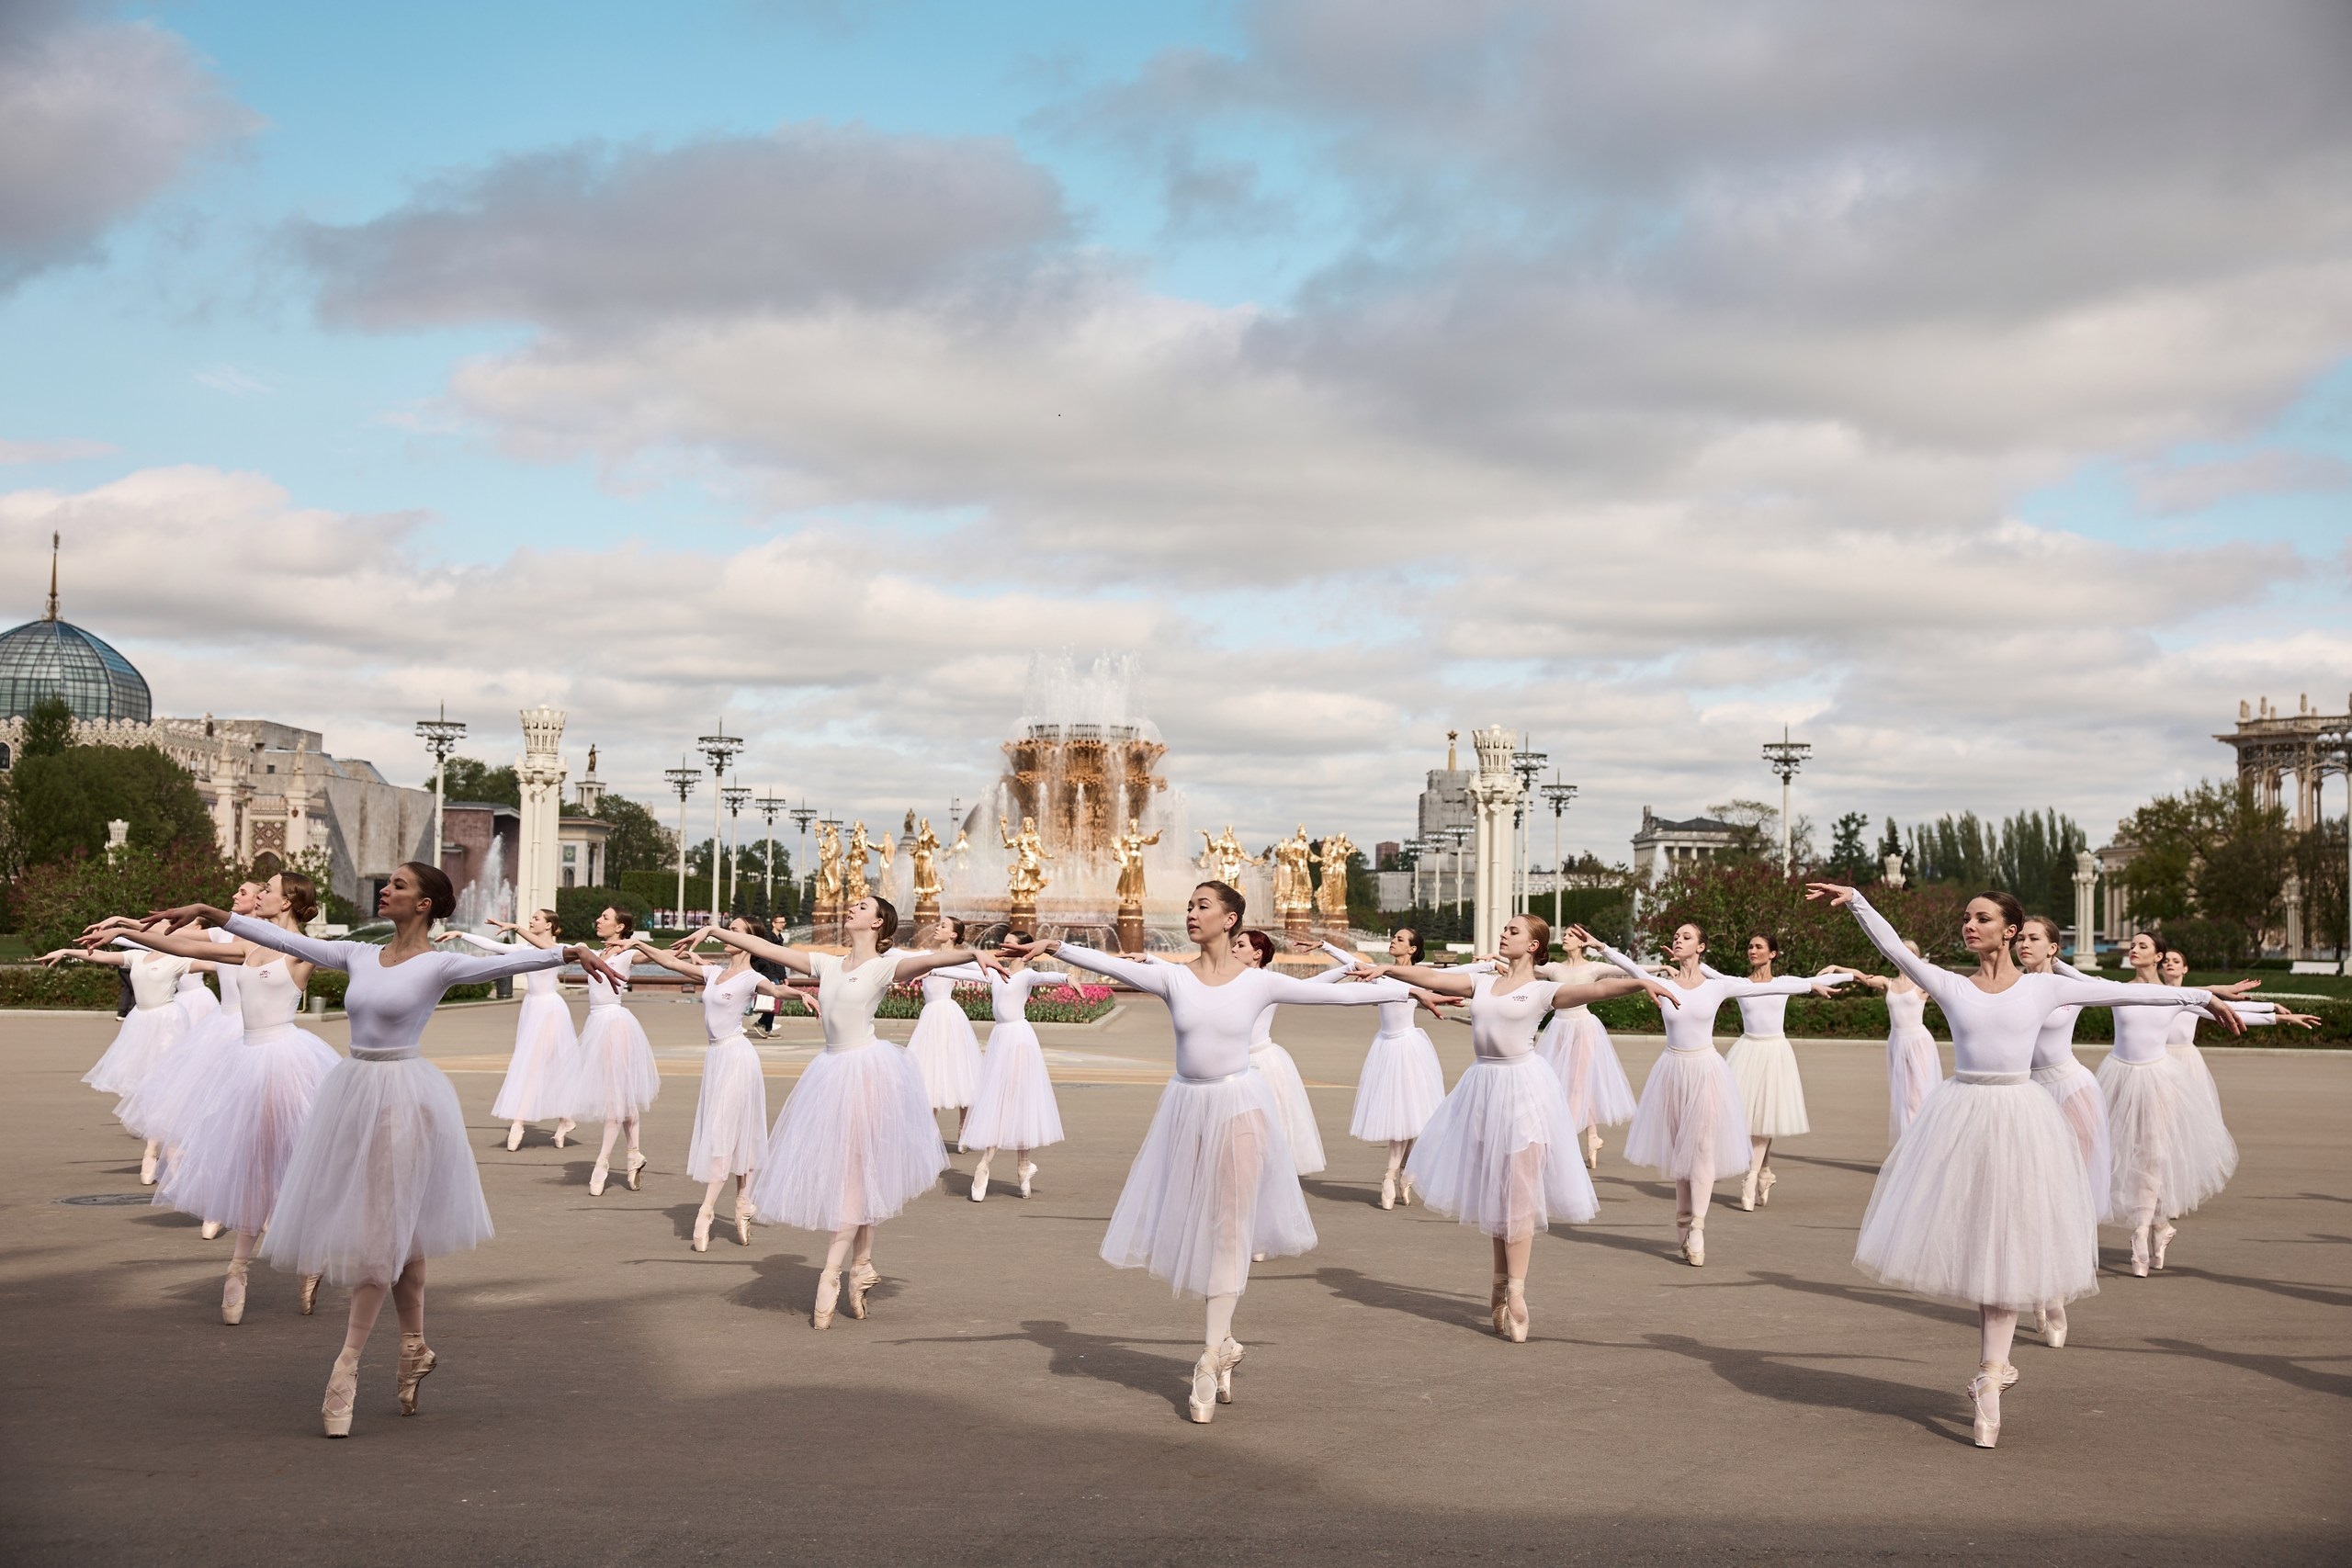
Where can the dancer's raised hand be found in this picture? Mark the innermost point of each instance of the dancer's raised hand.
(1837, 895)
(593, 963)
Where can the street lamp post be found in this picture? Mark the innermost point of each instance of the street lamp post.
(804, 814)
(682, 778)
(440, 737)
(721, 750)
(1529, 766)
(737, 796)
(769, 805)
(1784, 757)
(1557, 796)
(1460, 836)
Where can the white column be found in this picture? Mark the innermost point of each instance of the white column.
(541, 771)
(2085, 910)
(1493, 793)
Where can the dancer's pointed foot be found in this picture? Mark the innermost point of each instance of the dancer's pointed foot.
(829, 1291)
(1694, 1245)
(1514, 1323)
(1388, 1190)
(233, 1291)
(596, 1180)
(637, 1163)
(2053, 1327)
(1592, 1148)
(2140, 1253)
(564, 1127)
(743, 1223)
(1983, 1392)
(514, 1138)
(147, 1165)
(212, 1230)
(1748, 1193)
(861, 1276)
(1027, 1173)
(2164, 1234)
(1228, 1356)
(1764, 1181)
(1404, 1189)
(1202, 1404)
(310, 1293)
(343, 1392)
(1495, 1299)
(417, 1362)
(702, 1230)
(980, 1182)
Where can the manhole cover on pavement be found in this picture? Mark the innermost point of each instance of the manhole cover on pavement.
(106, 1199)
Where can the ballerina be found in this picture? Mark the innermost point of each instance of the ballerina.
(1501, 1154)
(855, 1142)
(236, 1134)
(150, 1031)
(1985, 1200)
(2073, 1088)
(616, 1078)
(942, 1044)
(1691, 1126)
(382, 1176)
(546, 1052)
(1402, 1083)
(1214, 1182)
(155, 1108)
(732, 1111)
(1912, 1065)
(1013, 1106)
(1764, 1065)
(1256, 949)
(1577, 1046)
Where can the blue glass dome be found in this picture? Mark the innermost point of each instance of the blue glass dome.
(53, 658)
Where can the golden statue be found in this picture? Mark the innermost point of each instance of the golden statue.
(924, 855)
(829, 867)
(1332, 898)
(1294, 883)
(853, 885)
(1026, 877)
(1127, 849)
(1224, 857)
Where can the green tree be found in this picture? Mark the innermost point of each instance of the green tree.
(2213, 853)
(1850, 862)
(1755, 825)
(470, 778)
(49, 729)
(58, 900)
(63, 801)
(637, 842)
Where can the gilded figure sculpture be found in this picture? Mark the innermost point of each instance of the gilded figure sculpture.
(1332, 898)
(1293, 882)
(829, 867)
(853, 883)
(1224, 857)
(1026, 877)
(1128, 848)
(924, 856)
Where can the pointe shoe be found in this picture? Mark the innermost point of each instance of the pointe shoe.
(1228, 1356)
(743, 1224)
(1983, 1393)
(829, 1290)
(343, 1392)
(1694, 1245)
(2140, 1253)
(212, 1230)
(2041, 1320)
(1388, 1191)
(1404, 1189)
(980, 1182)
(310, 1293)
(1027, 1173)
(417, 1362)
(596, 1179)
(702, 1230)
(1748, 1195)
(1681, 1230)
(2054, 1328)
(636, 1161)
(2163, 1239)
(1496, 1298)
(862, 1277)
(1764, 1186)
(514, 1137)
(1514, 1323)
(1592, 1148)
(233, 1291)
(1202, 1406)
(147, 1168)
(564, 1128)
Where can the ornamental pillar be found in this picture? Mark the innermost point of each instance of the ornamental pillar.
(1493, 797)
(541, 772)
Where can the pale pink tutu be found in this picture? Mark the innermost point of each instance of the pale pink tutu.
(1212, 1183)
(616, 1078)
(731, 1112)
(1300, 1134)
(1690, 1125)
(947, 1052)
(1400, 1088)
(1013, 1106)
(237, 1142)
(1501, 1154)
(540, 1075)
(854, 1145)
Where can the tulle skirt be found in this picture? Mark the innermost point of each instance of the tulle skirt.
(1399, 1090)
(1212, 1183)
(1013, 1107)
(197, 1003)
(547, 1057)
(948, 1055)
(161, 1102)
(1689, 1126)
(237, 1140)
(2169, 1148)
(2075, 1091)
(854, 1145)
(1580, 1051)
(1985, 1203)
(1771, 1092)
(1300, 1135)
(381, 1174)
(732, 1114)
(1501, 1154)
(616, 1078)
(1912, 1069)
(2200, 1077)
(138, 1048)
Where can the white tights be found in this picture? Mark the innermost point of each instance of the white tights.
(1691, 1197)
(366, 1301)
(710, 1194)
(612, 1131)
(1760, 1153)
(1399, 1150)
(851, 1244)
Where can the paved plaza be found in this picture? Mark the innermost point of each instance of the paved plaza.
(605, 1395)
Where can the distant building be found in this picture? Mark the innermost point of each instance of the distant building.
(1662, 844)
(1384, 853)
(581, 844)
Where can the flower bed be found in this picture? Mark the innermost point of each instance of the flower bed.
(1058, 1004)
(1864, 1018)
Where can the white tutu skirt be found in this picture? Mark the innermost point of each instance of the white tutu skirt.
(1501, 1154)
(1580, 1051)
(187, 1072)
(1214, 1183)
(2192, 1062)
(1912, 1069)
(1013, 1108)
(1300, 1134)
(237, 1141)
(547, 1057)
(2075, 1090)
(732, 1114)
(854, 1145)
(138, 1049)
(947, 1054)
(197, 1003)
(382, 1174)
(1771, 1092)
(1689, 1126)
(2169, 1148)
(1985, 1203)
(616, 1078)
(1399, 1090)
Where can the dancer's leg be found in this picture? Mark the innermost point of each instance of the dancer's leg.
(515, 1134)
(631, 1123)
(233, 1288)
(416, 1356)
(981, 1173)
(703, 1216)
(1219, 1326)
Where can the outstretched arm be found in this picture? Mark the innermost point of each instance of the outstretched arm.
(309, 949)
(793, 958)
(674, 963)
(914, 965)
(1153, 977)
(1934, 979)
(1308, 993)
(1584, 993)
(1458, 981)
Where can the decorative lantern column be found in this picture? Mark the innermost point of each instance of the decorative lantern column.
(1494, 797)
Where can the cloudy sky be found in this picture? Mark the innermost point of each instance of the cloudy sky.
(1970, 392)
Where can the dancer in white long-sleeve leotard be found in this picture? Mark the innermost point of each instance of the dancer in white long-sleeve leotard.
(1985, 1200)
(2073, 1088)
(191, 1069)
(1691, 1126)
(1402, 1084)
(1764, 1065)
(537, 1085)
(1214, 1182)
(616, 1078)
(1502, 1153)
(234, 1138)
(150, 1033)
(1012, 1105)
(943, 1044)
(1912, 1065)
(855, 1142)
(2180, 1040)
(382, 1175)
(731, 1130)
(1273, 1064)
(1577, 1046)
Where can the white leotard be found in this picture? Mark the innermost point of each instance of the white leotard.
(1214, 1023)
(388, 1005)
(1691, 1026)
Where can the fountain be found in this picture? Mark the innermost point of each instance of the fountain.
(489, 895)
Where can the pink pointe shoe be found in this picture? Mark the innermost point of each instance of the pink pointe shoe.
(1984, 1393)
